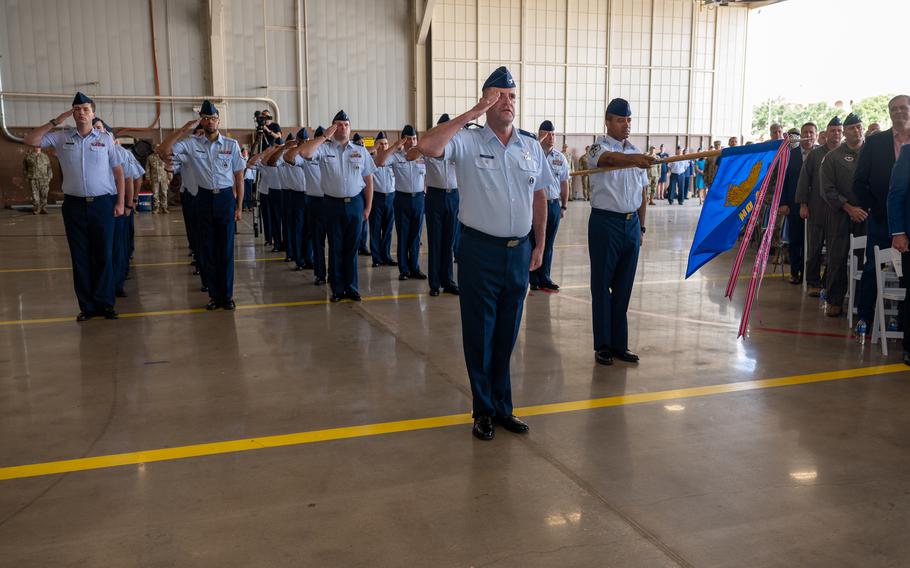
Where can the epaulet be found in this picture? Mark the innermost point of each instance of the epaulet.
(526, 133)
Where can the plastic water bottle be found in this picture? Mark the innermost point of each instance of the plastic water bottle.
(861, 331)
(892, 323)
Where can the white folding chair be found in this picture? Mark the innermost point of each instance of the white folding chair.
(886, 281)
(855, 274)
(805, 255)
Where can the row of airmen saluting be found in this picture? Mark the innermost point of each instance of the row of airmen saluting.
(510, 185)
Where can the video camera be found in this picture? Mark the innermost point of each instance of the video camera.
(260, 118)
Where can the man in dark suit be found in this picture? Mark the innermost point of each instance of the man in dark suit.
(898, 218)
(871, 183)
(788, 206)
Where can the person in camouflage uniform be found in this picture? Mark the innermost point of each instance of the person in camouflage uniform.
(37, 166)
(653, 176)
(157, 175)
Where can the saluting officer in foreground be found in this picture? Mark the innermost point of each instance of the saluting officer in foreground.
(615, 229)
(93, 197)
(503, 175)
(218, 170)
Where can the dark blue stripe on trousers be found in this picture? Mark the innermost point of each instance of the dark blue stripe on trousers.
(442, 228)
(494, 282)
(120, 258)
(554, 215)
(215, 213)
(295, 213)
(613, 245)
(408, 226)
(90, 235)
(343, 224)
(382, 218)
(316, 233)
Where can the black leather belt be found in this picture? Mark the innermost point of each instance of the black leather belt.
(509, 242)
(411, 195)
(216, 191)
(443, 189)
(614, 214)
(86, 198)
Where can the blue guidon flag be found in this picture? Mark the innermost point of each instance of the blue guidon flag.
(731, 200)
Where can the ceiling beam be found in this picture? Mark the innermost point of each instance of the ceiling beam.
(425, 21)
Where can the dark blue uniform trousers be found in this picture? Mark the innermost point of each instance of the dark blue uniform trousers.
(316, 232)
(265, 211)
(676, 189)
(186, 205)
(442, 227)
(215, 212)
(276, 207)
(494, 283)
(90, 235)
(344, 220)
(554, 214)
(408, 226)
(363, 246)
(877, 234)
(382, 217)
(796, 237)
(614, 240)
(295, 211)
(120, 257)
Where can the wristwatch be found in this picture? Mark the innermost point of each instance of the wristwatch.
(643, 230)
(54, 122)
(563, 207)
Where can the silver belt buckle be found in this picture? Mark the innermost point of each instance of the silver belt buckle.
(89, 199)
(347, 199)
(512, 244)
(216, 191)
(449, 190)
(629, 216)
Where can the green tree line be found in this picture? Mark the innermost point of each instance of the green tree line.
(789, 115)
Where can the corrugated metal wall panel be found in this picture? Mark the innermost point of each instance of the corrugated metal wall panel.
(355, 68)
(244, 48)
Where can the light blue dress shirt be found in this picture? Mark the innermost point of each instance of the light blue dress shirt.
(313, 174)
(343, 168)
(384, 179)
(441, 174)
(619, 191)
(86, 162)
(410, 176)
(560, 169)
(291, 177)
(213, 162)
(496, 182)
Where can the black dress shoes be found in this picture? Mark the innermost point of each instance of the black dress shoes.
(434, 292)
(375, 264)
(319, 282)
(403, 277)
(391, 263)
(483, 428)
(120, 293)
(229, 305)
(352, 295)
(336, 298)
(211, 306)
(512, 423)
(550, 286)
(535, 287)
(109, 313)
(603, 356)
(451, 290)
(85, 316)
(906, 353)
(204, 289)
(626, 356)
(418, 275)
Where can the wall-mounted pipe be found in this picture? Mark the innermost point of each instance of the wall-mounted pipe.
(148, 98)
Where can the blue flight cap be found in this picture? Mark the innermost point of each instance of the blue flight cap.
(81, 99)
(303, 134)
(619, 107)
(443, 118)
(380, 136)
(835, 122)
(852, 119)
(208, 109)
(357, 137)
(279, 141)
(546, 126)
(290, 137)
(408, 130)
(341, 116)
(500, 78)
(319, 131)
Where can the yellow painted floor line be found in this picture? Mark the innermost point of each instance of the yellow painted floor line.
(313, 436)
(185, 311)
(136, 265)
